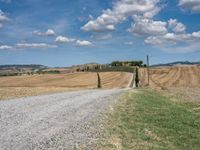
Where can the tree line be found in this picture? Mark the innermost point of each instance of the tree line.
(128, 63)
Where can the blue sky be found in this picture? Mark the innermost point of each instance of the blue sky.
(70, 32)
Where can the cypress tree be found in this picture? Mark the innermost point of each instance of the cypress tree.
(136, 77)
(99, 81)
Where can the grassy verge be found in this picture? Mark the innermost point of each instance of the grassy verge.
(144, 119)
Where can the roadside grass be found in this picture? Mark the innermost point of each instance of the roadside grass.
(145, 119)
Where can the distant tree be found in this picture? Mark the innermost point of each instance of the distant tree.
(127, 63)
(97, 67)
(116, 63)
(87, 68)
(98, 80)
(145, 65)
(78, 69)
(137, 77)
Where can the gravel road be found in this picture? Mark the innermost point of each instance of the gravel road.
(59, 121)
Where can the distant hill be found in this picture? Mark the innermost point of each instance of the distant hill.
(177, 63)
(32, 66)
(19, 69)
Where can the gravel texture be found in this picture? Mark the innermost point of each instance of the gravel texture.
(59, 121)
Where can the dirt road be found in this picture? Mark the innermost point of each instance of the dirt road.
(57, 121)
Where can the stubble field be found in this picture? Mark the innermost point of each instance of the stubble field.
(183, 81)
(19, 86)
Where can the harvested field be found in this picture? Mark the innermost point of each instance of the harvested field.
(172, 77)
(19, 86)
(182, 81)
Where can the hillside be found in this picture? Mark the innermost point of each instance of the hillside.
(172, 77)
(13, 70)
(19, 86)
(177, 63)
(31, 66)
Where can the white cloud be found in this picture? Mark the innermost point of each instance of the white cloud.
(145, 26)
(34, 45)
(104, 22)
(63, 39)
(176, 26)
(153, 12)
(84, 43)
(176, 40)
(169, 38)
(49, 32)
(3, 18)
(193, 5)
(5, 47)
(196, 34)
(122, 9)
(176, 43)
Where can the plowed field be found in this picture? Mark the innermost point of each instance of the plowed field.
(172, 77)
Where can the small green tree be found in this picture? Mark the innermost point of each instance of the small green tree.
(137, 77)
(98, 80)
(87, 68)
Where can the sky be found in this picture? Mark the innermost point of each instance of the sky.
(61, 33)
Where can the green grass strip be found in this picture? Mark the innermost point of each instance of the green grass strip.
(144, 119)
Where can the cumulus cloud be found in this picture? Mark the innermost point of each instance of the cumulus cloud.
(173, 38)
(63, 39)
(80, 43)
(196, 34)
(5, 47)
(175, 34)
(34, 45)
(3, 18)
(145, 26)
(121, 10)
(176, 26)
(84, 43)
(193, 5)
(176, 43)
(49, 32)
